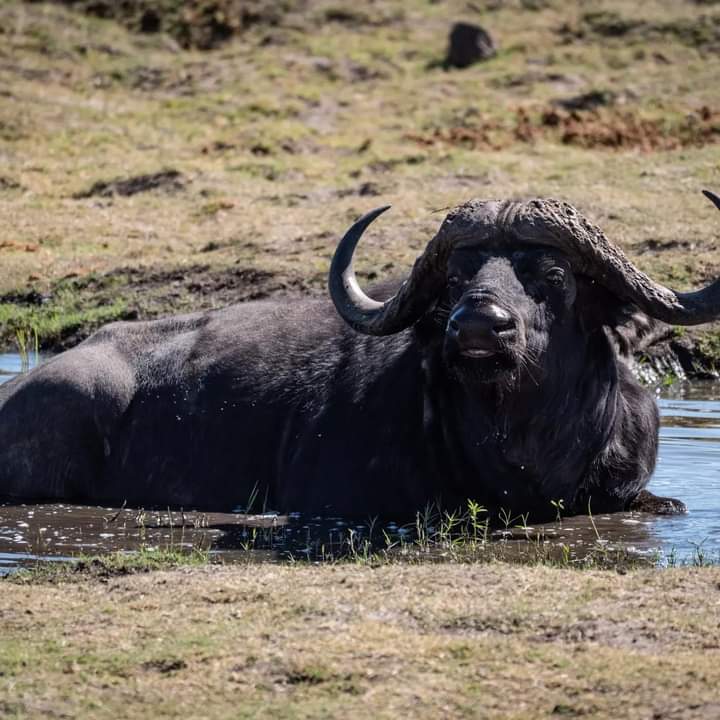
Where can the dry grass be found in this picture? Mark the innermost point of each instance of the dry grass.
(494, 641)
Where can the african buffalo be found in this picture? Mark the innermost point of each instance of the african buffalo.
(497, 371)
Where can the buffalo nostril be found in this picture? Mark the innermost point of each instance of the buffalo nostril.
(498, 319)
(453, 326)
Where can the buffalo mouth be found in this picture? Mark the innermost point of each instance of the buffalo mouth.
(480, 364)
(477, 353)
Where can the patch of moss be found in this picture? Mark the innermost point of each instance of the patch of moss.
(57, 322)
(84, 567)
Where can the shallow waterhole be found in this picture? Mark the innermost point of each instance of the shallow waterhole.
(688, 468)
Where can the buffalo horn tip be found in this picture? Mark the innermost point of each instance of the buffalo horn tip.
(714, 199)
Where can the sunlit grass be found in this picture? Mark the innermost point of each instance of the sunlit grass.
(31, 327)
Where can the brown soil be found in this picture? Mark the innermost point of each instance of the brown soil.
(586, 128)
(626, 130)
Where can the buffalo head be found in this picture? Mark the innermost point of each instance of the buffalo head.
(503, 278)
(499, 307)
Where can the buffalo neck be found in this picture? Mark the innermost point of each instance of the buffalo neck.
(531, 441)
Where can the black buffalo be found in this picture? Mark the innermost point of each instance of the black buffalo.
(496, 372)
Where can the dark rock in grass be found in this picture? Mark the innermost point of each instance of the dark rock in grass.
(7, 183)
(167, 180)
(150, 21)
(165, 666)
(24, 298)
(587, 101)
(367, 189)
(468, 44)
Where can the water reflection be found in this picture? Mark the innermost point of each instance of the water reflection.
(688, 468)
(12, 363)
(60, 531)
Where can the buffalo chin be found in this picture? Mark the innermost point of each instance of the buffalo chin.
(480, 367)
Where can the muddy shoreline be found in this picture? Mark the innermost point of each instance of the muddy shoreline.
(683, 354)
(150, 293)
(139, 293)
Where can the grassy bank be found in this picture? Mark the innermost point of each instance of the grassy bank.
(351, 641)
(143, 176)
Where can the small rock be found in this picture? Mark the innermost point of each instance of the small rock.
(150, 22)
(467, 45)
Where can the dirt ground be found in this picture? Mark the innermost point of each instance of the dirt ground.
(428, 641)
(142, 174)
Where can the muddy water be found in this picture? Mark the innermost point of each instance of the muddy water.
(688, 469)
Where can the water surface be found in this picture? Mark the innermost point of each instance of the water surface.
(688, 469)
(12, 364)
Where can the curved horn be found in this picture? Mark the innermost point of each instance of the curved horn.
(416, 294)
(550, 222)
(354, 306)
(537, 222)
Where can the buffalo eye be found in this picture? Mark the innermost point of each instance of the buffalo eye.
(555, 276)
(453, 281)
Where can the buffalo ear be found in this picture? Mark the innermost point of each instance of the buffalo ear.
(628, 328)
